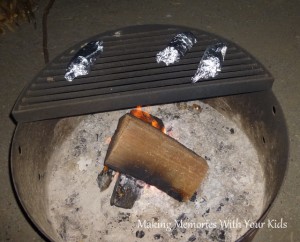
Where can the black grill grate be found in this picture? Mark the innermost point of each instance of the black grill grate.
(127, 75)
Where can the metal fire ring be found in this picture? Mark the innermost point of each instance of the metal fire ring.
(261, 116)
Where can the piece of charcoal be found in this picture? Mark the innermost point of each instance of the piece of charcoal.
(126, 191)
(140, 234)
(182, 217)
(104, 178)
(192, 238)
(206, 212)
(123, 217)
(81, 63)
(157, 236)
(211, 62)
(194, 197)
(178, 222)
(177, 48)
(217, 235)
(220, 207)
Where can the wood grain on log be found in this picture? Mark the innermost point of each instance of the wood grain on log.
(144, 152)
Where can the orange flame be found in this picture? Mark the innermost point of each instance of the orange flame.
(148, 118)
(105, 168)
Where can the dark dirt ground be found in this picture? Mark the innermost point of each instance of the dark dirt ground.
(269, 30)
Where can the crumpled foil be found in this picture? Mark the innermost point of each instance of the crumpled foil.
(211, 62)
(177, 48)
(81, 63)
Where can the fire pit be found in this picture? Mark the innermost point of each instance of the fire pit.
(55, 164)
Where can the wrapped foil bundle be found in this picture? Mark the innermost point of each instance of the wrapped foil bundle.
(211, 62)
(177, 48)
(81, 63)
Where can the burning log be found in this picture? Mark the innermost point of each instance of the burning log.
(127, 189)
(144, 152)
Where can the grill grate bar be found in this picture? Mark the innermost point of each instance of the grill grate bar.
(83, 81)
(126, 36)
(158, 42)
(112, 80)
(135, 83)
(123, 57)
(124, 68)
(137, 49)
(135, 66)
(127, 75)
(260, 79)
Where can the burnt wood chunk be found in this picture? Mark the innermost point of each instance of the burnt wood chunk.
(104, 178)
(126, 191)
(144, 152)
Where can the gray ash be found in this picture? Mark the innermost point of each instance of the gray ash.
(217, 235)
(235, 179)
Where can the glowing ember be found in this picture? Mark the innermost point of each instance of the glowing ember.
(148, 118)
(105, 168)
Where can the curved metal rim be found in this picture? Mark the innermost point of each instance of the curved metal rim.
(23, 207)
(252, 232)
(249, 234)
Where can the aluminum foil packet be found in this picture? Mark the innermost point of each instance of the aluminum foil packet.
(81, 63)
(177, 48)
(211, 62)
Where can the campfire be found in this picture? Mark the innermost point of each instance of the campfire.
(114, 173)
(141, 150)
(91, 159)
